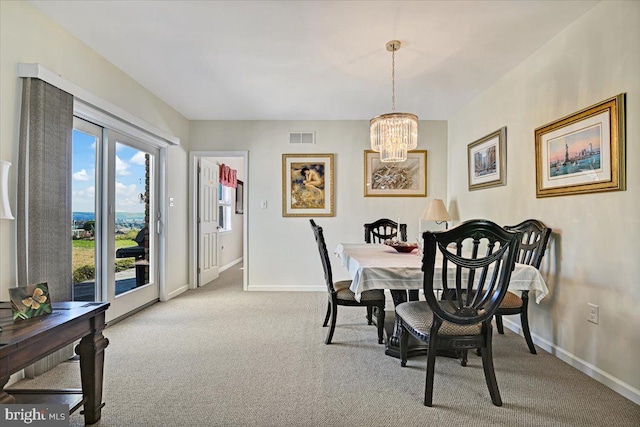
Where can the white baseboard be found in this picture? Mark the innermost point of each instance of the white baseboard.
(279, 288)
(177, 292)
(615, 384)
(231, 264)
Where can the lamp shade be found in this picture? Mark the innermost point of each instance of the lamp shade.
(435, 211)
(5, 208)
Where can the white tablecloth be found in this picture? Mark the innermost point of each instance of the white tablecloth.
(373, 266)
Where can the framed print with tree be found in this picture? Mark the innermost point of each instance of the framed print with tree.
(402, 179)
(240, 197)
(307, 185)
(583, 152)
(487, 160)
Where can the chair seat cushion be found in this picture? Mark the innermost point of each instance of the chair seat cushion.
(418, 315)
(342, 284)
(511, 300)
(347, 295)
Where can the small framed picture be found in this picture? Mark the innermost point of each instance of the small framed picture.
(240, 197)
(30, 301)
(487, 160)
(583, 152)
(307, 185)
(402, 179)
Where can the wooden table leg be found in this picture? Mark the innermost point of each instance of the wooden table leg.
(5, 398)
(91, 352)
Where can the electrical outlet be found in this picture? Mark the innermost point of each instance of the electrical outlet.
(594, 313)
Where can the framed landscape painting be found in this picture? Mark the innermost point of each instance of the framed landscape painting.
(402, 179)
(307, 185)
(487, 160)
(583, 152)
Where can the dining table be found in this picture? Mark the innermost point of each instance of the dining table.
(380, 266)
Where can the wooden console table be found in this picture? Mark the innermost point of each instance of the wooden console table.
(25, 342)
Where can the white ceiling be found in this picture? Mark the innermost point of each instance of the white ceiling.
(314, 60)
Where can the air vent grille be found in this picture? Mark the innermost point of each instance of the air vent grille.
(302, 138)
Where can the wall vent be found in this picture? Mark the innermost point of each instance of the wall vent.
(302, 138)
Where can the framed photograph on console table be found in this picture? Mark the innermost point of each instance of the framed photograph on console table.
(402, 179)
(307, 185)
(583, 152)
(487, 160)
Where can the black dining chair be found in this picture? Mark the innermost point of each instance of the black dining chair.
(340, 294)
(474, 279)
(384, 229)
(534, 238)
(377, 232)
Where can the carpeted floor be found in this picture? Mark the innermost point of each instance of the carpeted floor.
(217, 356)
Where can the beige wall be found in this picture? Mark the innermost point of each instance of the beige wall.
(282, 252)
(27, 36)
(594, 254)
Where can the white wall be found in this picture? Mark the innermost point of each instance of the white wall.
(594, 256)
(28, 36)
(282, 253)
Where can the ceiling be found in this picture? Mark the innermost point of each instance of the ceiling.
(314, 60)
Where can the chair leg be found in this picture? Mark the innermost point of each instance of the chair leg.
(369, 315)
(489, 373)
(334, 313)
(326, 317)
(524, 320)
(463, 360)
(380, 324)
(431, 362)
(499, 324)
(404, 343)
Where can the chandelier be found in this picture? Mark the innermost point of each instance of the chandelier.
(393, 134)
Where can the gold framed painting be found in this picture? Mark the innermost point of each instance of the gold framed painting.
(487, 161)
(583, 152)
(307, 185)
(402, 179)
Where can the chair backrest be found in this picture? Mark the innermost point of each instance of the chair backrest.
(324, 255)
(384, 229)
(533, 243)
(139, 239)
(477, 259)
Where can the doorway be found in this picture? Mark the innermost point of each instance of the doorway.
(230, 244)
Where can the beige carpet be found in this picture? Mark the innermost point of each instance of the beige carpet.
(218, 356)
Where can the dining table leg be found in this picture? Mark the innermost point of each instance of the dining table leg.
(392, 327)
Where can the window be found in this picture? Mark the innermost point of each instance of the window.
(225, 197)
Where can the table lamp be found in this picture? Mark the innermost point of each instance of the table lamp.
(435, 211)
(5, 208)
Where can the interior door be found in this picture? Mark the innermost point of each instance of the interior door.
(207, 221)
(133, 224)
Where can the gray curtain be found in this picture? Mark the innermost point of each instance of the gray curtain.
(44, 188)
(44, 197)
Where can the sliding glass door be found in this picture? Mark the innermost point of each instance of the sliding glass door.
(86, 229)
(133, 218)
(116, 218)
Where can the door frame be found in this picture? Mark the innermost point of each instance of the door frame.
(194, 156)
